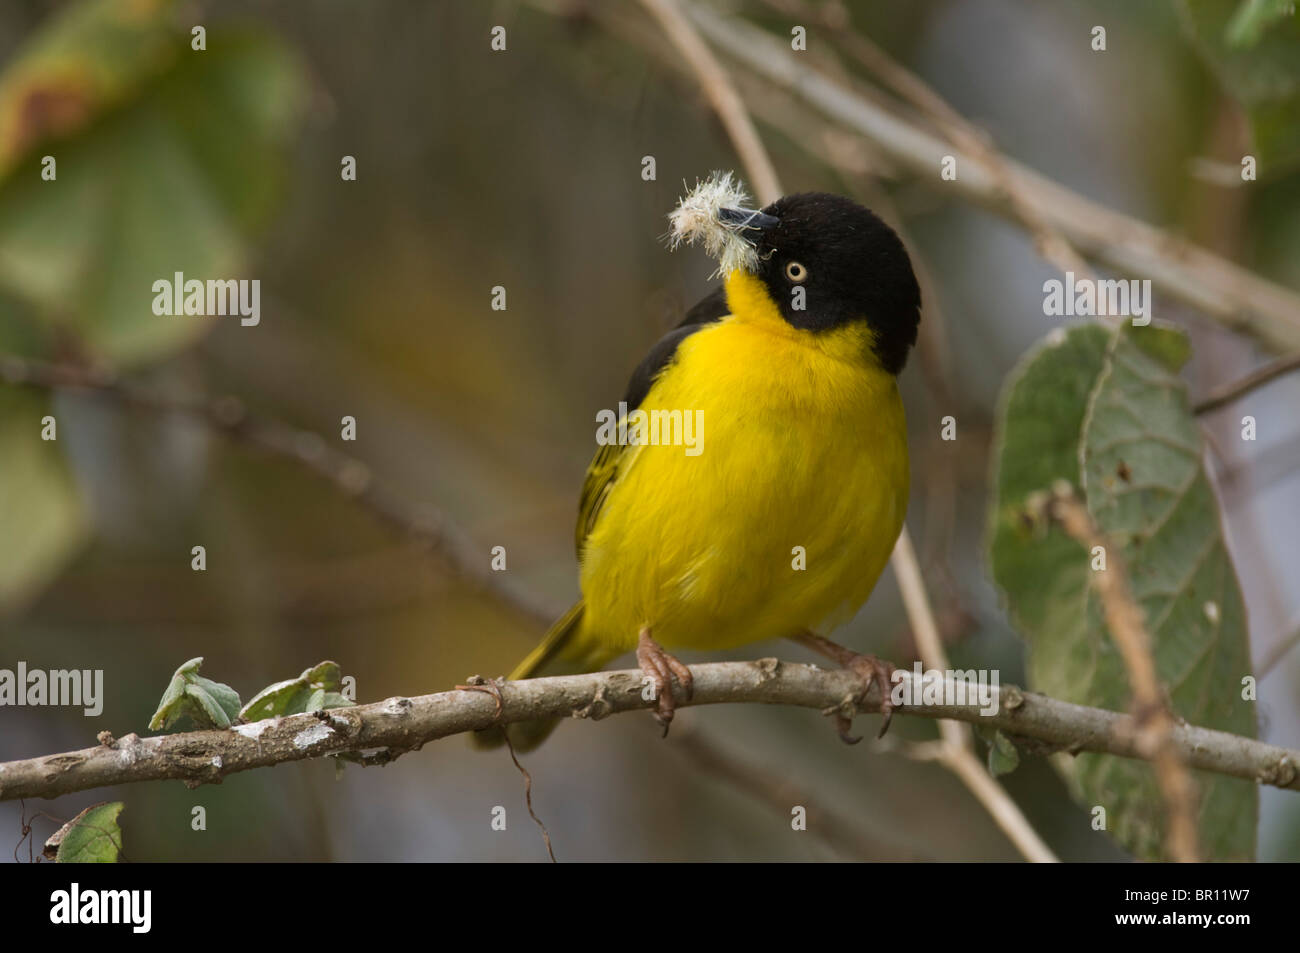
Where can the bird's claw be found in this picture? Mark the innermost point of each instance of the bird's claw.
(872, 671)
(663, 669)
(878, 672)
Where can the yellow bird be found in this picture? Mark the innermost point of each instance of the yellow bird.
(780, 517)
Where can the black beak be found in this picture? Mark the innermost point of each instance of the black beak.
(748, 222)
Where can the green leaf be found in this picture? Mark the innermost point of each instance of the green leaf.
(42, 520)
(325, 700)
(160, 183)
(313, 690)
(92, 837)
(192, 701)
(1253, 47)
(1107, 412)
(1253, 17)
(88, 58)
(1003, 756)
(273, 700)
(1040, 421)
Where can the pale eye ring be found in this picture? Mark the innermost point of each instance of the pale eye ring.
(795, 272)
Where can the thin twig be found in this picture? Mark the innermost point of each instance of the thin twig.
(405, 724)
(956, 750)
(1127, 627)
(722, 95)
(963, 762)
(1256, 378)
(528, 796)
(1279, 652)
(924, 629)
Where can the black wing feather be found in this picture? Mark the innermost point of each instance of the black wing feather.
(603, 471)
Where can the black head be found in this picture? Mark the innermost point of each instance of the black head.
(849, 264)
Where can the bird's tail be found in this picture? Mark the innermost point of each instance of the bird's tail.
(561, 652)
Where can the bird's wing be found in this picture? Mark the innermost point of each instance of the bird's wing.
(712, 307)
(603, 471)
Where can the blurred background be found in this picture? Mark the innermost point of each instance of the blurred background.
(522, 169)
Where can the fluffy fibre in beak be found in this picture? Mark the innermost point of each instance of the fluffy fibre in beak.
(715, 214)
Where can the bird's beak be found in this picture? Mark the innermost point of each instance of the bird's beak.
(747, 223)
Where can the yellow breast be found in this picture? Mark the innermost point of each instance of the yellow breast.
(787, 515)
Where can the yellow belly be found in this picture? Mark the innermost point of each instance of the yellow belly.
(804, 448)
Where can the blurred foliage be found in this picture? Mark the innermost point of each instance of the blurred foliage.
(1254, 48)
(1106, 411)
(39, 502)
(167, 158)
(1253, 17)
(88, 60)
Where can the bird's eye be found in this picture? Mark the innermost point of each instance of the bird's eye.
(795, 272)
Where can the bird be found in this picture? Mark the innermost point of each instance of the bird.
(782, 521)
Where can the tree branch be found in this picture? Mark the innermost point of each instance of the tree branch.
(385, 730)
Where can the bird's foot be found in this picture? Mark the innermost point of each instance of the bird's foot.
(662, 669)
(872, 671)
